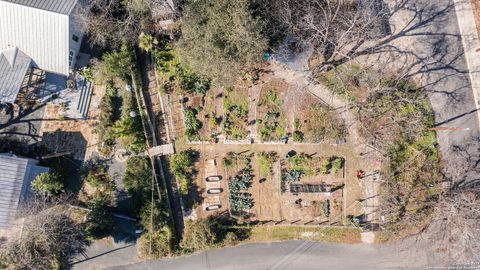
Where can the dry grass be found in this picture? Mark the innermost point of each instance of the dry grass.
(321, 234)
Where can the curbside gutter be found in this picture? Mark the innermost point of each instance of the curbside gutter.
(471, 43)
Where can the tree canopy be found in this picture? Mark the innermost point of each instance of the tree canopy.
(220, 36)
(47, 184)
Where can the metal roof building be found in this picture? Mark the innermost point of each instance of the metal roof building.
(48, 31)
(15, 178)
(57, 6)
(14, 65)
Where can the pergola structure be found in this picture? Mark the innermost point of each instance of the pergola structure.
(20, 82)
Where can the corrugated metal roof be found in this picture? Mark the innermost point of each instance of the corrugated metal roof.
(14, 65)
(57, 6)
(17, 173)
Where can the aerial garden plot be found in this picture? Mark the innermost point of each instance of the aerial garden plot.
(272, 122)
(200, 106)
(235, 124)
(296, 187)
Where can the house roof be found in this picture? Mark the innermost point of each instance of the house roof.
(14, 65)
(57, 6)
(17, 174)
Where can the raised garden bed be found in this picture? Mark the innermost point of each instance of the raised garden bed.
(302, 167)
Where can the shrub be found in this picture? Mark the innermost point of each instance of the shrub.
(48, 184)
(163, 243)
(99, 179)
(337, 164)
(138, 182)
(192, 124)
(326, 208)
(181, 166)
(297, 136)
(265, 162)
(130, 132)
(99, 219)
(118, 64)
(198, 235)
(325, 166)
(302, 163)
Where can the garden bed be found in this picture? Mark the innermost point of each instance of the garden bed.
(202, 115)
(235, 125)
(272, 122)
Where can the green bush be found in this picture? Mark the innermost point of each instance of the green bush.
(192, 124)
(48, 184)
(181, 165)
(130, 132)
(337, 164)
(138, 182)
(297, 136)
(170, 69)
(265, 162)
(119, 63)
(198, 235)
(302, 163)
(326, 208)
(99, 219)
(325, 166)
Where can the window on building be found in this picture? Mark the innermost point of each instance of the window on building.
(70, 57)
(75, 38)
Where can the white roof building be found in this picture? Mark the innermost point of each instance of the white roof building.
(47, 31)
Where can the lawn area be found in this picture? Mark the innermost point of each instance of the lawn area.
(322, 234)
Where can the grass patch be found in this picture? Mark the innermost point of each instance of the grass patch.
(321, 234)
(320, 124)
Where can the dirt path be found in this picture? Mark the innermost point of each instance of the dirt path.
(159, 128)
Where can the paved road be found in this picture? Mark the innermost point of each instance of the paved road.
(290, 255)
(432, 39)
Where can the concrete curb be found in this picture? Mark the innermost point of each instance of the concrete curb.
(471, 42)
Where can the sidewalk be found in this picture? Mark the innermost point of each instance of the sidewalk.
(471, 45)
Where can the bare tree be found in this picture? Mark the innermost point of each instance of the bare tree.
(111, 22)
(49, 239)
(334, 28)
(456, 225)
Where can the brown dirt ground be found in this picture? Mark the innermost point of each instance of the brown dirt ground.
(74, 135)
(270, 204)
